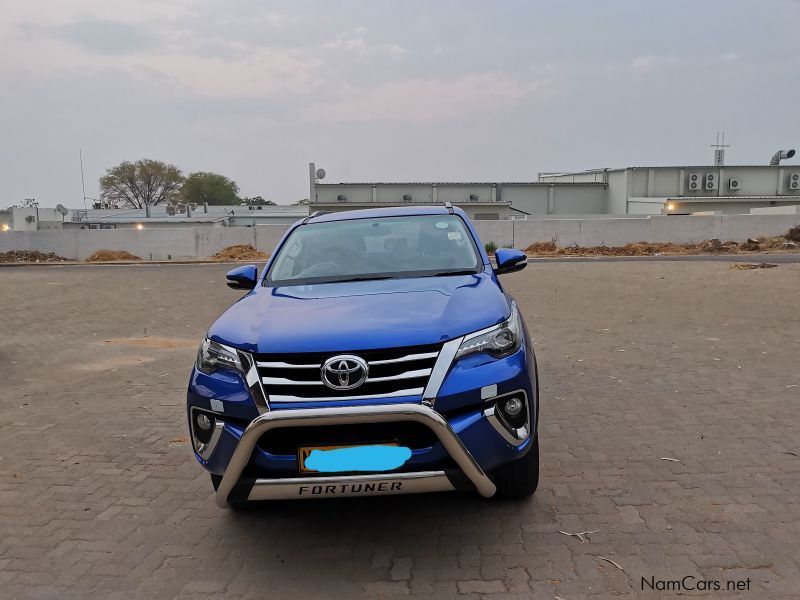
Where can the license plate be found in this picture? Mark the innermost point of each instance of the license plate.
(384, 456)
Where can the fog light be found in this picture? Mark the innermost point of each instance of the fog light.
(513, 407)
(203, 422)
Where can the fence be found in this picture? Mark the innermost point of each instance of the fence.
(203, 242)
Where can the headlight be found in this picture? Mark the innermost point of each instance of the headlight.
(499, 341)
(213, 355)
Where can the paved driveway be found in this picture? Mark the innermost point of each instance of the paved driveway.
(100, 496)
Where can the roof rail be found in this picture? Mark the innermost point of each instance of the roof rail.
(449, 208)
(316, 213)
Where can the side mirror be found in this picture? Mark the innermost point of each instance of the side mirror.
(243, 278)
(509, 261)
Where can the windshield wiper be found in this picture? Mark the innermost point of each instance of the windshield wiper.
(458, 272)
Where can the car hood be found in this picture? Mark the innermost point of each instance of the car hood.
(363, 315)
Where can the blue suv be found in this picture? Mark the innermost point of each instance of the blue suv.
(377, 353)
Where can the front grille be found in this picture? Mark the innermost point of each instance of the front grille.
(286, 440)
(392, 373)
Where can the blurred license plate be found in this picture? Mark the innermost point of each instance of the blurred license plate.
(350, 457)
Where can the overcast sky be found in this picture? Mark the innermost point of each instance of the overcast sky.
(386, 90)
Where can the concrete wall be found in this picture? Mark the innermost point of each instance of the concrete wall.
(149, 244)
(163, 244)
(618, 232)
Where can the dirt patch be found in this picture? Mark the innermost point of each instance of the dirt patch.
(240, 252)
(112, 255)
(115, 362)
(28, 256)
(712, 246)
(155, 342)
(752, 266)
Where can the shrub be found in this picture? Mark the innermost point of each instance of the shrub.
(490, 247)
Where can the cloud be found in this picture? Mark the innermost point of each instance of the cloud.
(424, 99)
(105, 37)
(648, 63)
(355, 41)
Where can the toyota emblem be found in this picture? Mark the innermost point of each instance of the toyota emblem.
(344, 372)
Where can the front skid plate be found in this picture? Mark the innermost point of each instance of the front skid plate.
(353, 485)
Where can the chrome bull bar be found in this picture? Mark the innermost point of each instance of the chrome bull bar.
(384, 483)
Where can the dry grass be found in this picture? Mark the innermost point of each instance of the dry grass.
(111, 256)
(30, 256)
(752, 266)
(240, 252)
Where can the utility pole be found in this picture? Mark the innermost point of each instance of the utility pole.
(83, 183)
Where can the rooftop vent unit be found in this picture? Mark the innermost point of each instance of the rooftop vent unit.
(694, 182)
(710, 181)
(794, 181)
(779, 156)
(407, 198)
(734, 184)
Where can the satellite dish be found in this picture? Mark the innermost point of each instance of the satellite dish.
(320, 173)
(61, 210)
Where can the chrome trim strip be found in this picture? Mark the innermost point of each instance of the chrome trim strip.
(350, 485)
(206, 450)
(513, 436)
(440, 369)
(254, 383)
(405, 358)
(284, 381)
(406, 375)
(395, 394)
(352, 414)
(283, 365)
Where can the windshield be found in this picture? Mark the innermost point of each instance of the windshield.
(387, 247)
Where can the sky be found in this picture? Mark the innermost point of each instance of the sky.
(386, 90)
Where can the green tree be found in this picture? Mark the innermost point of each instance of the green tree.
(210, 187)
(136, 185)
(257, 200)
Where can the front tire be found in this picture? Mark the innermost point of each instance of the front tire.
(519, 478)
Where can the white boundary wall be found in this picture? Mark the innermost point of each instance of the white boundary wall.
(203, 242)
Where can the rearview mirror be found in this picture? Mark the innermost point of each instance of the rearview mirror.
(509, 261)
(243, 278)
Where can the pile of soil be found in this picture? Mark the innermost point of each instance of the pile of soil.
(751, 266)
(30, 256)
(712, 246)
(240, 252)
(111, 255)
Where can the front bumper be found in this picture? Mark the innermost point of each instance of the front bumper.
(233, 485)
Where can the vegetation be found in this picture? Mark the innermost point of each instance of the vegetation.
(143, 183)
(209, 187)
(490, 247)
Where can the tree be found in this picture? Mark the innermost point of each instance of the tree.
(256, 201)
(210, 187)
(136, 185)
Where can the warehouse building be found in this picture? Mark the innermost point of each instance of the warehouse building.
(628, 191)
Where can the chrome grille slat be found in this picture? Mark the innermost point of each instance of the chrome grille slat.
(282, 381)
(397, 394)
(393, 373)
(406, 375)
(283, 365)
(405, 358)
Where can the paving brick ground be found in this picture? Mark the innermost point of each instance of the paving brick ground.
(100, 496)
